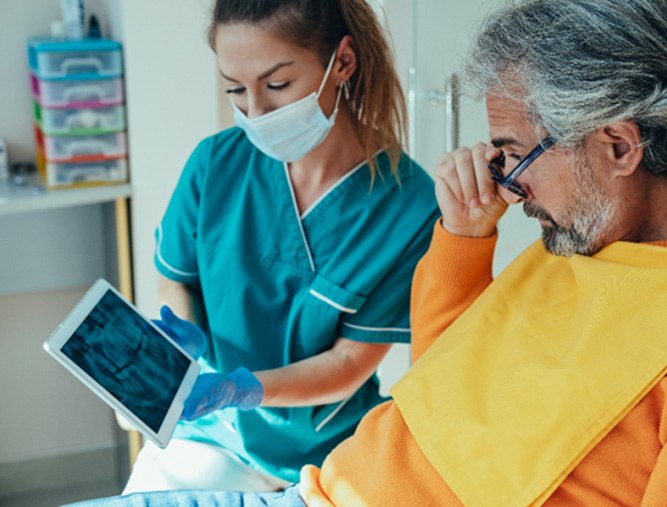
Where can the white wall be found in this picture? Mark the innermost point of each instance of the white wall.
(45, 411)
(171, 84)
(20, 20)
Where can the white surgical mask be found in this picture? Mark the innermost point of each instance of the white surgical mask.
(291, 131)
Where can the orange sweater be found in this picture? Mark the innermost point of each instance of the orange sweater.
(382, 465)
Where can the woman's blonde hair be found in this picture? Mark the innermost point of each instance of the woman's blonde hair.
(376, 98)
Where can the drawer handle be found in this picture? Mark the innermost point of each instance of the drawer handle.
(82, 62)
(86, 119)
(87, 147)
(84, 92)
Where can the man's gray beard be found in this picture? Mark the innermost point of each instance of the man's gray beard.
(589, 211)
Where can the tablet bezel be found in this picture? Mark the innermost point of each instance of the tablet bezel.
(69, 326)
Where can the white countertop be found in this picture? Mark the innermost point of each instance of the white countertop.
(26, 198)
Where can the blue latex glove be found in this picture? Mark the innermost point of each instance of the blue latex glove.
(185, 333)
(213, 391)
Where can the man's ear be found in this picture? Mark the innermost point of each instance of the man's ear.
(622, 146)
(346, 60)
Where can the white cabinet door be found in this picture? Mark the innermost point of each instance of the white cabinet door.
(431, 38)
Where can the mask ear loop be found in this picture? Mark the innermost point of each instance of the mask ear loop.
(343, 87)
(338, 96)
(327, 72)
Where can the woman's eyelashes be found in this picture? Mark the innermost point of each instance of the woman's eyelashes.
(278, 86)
(238, 90)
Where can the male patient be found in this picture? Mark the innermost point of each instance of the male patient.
(546, 385)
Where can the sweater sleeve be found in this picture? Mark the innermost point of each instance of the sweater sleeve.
(655, 494)
(450, 276)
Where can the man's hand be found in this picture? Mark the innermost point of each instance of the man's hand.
(467, 196)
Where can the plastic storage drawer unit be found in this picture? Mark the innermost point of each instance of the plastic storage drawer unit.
(79, 113)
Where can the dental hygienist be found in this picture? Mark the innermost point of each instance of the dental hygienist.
(298, 231)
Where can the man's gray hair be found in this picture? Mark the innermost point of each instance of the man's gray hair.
(580, 65)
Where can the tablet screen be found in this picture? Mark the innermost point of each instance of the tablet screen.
(130, 359)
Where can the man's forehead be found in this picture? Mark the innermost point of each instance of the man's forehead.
(508, 122)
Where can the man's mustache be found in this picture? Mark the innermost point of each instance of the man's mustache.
(533, 211)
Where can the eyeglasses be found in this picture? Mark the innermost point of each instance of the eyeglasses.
(510, 182)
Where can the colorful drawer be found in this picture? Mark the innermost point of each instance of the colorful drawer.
(75, 59)
(97, 172)
(68, 93)
(80, 121)
(81, 148)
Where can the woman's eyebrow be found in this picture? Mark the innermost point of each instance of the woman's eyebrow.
(228, 78)
(263, 75)
(273, 69)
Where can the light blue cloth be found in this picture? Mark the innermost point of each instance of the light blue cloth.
(189, 498)
(278, 288)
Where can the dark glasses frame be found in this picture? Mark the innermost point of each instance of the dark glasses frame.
(510, 182)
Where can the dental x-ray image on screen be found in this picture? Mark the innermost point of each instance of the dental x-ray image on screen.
(126, 360)
(129, 358)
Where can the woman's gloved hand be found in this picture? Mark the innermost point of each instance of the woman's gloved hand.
(213, 391)
(185, 333)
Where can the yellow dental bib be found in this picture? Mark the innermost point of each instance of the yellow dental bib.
(538, 370)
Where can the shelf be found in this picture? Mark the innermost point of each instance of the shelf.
(25, 199)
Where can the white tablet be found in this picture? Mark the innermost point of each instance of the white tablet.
(126, 360)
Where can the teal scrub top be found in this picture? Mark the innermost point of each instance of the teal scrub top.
(278, 287)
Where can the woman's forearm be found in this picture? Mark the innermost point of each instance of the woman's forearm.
(322, 379)
(177, 296)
